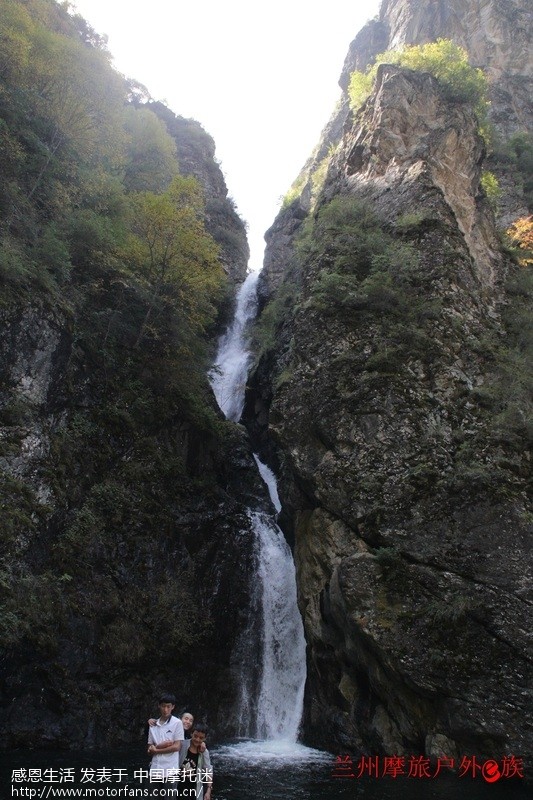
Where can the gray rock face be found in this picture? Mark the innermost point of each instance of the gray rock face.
(497, 37)
(409, 505)
(85, 644)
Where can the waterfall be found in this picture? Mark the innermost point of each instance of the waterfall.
(230, 370)
(272, 709)
(271, 483)
(280, 700)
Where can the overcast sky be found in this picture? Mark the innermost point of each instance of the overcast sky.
(260, 77)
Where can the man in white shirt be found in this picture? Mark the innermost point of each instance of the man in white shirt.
(165, 739)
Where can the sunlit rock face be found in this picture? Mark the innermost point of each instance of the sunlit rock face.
(496, 35)
(412, 549)
(409, 136)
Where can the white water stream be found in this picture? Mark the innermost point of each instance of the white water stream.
(230, 370)
(272, 710)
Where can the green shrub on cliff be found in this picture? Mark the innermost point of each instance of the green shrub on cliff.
(518, 153)
(360, 262)
(443, 59)
(491, 187)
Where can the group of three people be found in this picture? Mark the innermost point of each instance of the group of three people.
(178, 749)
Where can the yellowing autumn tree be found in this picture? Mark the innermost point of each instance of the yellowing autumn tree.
(521, 235)
(170, 249)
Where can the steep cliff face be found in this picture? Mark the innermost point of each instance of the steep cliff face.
(496, 36)
(390, 397)
(123, 493)
(126, 544)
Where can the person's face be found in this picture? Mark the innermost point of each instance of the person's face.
(165, 709)
(197, 738)
(187, 720)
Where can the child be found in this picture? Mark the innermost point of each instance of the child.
(195, 762)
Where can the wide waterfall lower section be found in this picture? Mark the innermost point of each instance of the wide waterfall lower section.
(271, 691)
(280, 693)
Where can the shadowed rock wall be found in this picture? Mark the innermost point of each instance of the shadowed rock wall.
(406, 494)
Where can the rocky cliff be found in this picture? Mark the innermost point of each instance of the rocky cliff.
(496, 36)
(126, 547)
(125, 543)
(392, 390)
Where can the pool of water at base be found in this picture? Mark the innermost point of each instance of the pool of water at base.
(244, 770)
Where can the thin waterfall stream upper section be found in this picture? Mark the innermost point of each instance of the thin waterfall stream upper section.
(230, 370)
(272, 699)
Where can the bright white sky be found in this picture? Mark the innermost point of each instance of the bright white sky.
(262, 79)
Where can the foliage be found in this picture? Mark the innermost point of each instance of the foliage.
(443, 59)
(311, 177)
(318, 177)
(520, 234)
(171, 250)
(360, 263)
(273, 315)
(452, 611)
(522, 147)
(411, 220)
(448, 62)
(360, 87)
(294, 192)
(150, 152)
(491, 187)
(517, 153)
(98, 226)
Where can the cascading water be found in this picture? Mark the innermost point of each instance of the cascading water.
(271, 710)
(280, 700)
(230, 370)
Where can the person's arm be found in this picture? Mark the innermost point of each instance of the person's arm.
(165, 747)
(151, 744)
(152, 722)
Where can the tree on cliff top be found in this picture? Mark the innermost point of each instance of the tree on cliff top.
(443, 59)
